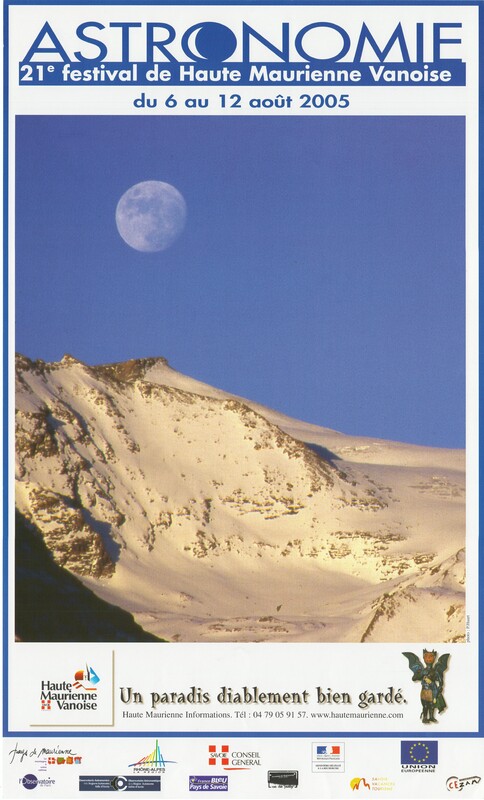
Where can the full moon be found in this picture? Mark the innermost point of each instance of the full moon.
(150, 216)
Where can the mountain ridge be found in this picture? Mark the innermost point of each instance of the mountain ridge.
(164, 494)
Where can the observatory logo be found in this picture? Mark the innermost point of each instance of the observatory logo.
(31, 781)
(78, 695)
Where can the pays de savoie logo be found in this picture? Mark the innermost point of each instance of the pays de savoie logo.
(78, 695)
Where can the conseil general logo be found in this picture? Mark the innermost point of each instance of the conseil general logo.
(223, 756)
(218, 755)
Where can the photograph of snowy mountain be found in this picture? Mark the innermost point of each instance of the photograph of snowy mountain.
(240, 379)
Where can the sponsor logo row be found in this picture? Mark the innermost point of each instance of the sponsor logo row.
(416, 756)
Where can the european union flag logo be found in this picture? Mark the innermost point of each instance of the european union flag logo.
(423, 752)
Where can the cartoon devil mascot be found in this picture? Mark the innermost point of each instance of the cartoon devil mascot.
(431, 677)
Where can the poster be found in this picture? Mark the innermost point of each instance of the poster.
(241, 306)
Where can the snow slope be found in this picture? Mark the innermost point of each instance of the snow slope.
(212, 518)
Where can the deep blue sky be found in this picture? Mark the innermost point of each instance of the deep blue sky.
(321, 271)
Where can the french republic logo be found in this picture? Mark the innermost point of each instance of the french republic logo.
(328, 749)
(419, 756)
(80, 695)
(328, 757)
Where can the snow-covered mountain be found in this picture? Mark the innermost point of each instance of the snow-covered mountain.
(212, 518)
